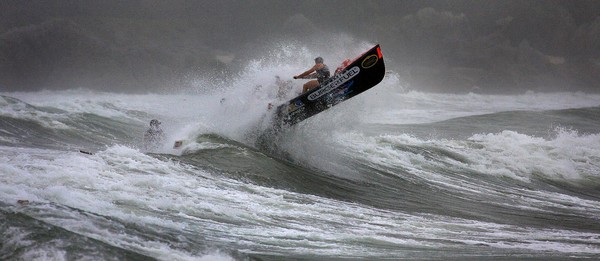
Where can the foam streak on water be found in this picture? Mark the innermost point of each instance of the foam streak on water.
(388, 174)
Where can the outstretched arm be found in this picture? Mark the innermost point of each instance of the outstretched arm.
(310, 76)
(307, 73)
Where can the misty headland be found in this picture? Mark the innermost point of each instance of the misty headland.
(441, 46)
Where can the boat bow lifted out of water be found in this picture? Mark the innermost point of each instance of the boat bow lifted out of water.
(359, 75)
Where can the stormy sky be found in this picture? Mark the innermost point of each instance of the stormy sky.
(449, 46)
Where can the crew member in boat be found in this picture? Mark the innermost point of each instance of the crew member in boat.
(320, 71)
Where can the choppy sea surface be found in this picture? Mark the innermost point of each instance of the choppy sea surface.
(389, 174)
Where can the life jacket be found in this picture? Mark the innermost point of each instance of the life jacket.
(323, 74)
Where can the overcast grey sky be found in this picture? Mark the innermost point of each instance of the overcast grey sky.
(493, 46)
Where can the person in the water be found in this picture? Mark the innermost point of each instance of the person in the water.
(154, 136)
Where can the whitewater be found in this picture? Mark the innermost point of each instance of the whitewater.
(390, 174)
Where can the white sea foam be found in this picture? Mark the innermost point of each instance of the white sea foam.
(569, 155)
(128, 186)
(20, 110)
(413, 107)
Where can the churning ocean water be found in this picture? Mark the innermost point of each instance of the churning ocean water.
(389, 174)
